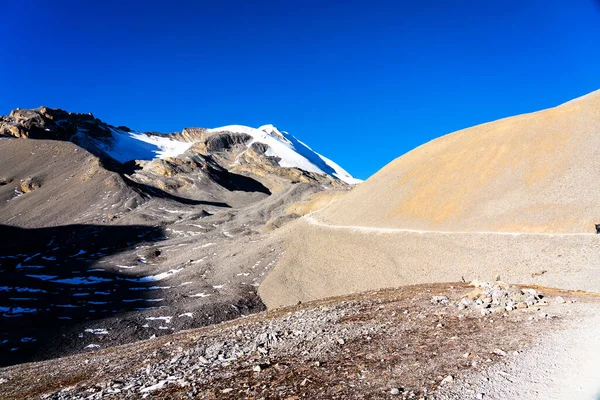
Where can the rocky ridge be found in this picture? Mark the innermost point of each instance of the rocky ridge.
(49, 123)
(213, 152)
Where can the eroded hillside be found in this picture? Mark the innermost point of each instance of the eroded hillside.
(111, 236)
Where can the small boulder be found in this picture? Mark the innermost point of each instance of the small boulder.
(475, 283)
(439, 300)
(499, 352)
(473, 295)
(29, 185)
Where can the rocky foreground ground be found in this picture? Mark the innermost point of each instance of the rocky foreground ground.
(424, 341)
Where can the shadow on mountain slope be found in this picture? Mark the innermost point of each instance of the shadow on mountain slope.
(151, 191)
(52, 280)
(232, 181)
(226, 179)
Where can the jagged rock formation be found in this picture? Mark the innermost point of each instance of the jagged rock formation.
(49, 123)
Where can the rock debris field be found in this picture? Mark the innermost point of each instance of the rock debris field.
(416, 342)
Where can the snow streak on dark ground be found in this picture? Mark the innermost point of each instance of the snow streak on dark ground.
(79, 288)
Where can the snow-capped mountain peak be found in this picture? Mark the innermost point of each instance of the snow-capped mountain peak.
(271, 130)
(292, 153)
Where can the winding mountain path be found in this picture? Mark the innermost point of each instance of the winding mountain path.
(324, 260)
(310, 218)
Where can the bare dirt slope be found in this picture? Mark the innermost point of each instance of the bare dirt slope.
(117, 277)
(513, 197)
(322, 260)
(412, 342)
(50, 183)
(530, 173)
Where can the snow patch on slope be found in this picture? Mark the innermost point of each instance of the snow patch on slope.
(129, 146)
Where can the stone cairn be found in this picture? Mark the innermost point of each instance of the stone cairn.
(499, 297)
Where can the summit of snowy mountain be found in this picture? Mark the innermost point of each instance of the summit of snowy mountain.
(289, 151)
(292, 153)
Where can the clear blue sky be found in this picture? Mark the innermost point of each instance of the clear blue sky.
(362, 82)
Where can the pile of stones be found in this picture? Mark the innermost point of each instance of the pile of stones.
(499, 297)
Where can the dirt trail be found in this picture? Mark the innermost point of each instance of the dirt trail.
(314, 221)
(562, 365)
(326, 260)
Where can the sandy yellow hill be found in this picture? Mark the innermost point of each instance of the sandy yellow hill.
(517, 198)
(531, 173)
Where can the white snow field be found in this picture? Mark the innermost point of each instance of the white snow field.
(129, 146)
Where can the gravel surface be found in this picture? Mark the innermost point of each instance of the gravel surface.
(563, 364)
(412, 342)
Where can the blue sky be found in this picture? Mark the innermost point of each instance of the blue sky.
(361, 82)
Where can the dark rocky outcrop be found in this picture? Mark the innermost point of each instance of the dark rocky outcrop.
(225, 141)
(51, 123)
